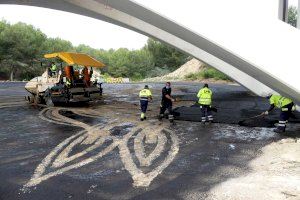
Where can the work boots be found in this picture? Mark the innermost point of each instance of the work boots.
(171, 118)
(143, 117)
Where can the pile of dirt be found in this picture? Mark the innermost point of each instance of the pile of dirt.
(192, 66)
(273, 175)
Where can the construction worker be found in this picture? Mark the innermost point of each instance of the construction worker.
(53, 69)
(205, 100)
(145, 96)
(286, 105)
(91, 72)
(69, 73)
(166, 102)
(68, 82)
(86, 76)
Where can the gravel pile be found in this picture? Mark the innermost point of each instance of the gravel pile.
(192, 66)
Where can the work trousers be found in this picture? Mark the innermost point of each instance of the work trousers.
(144, 105)
(285, 115)
(206, 113)
(166, 105)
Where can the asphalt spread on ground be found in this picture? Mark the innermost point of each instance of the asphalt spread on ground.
(206, 155)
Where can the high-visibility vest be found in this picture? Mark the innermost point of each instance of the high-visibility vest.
(145, 94)
(279, 101)
(53, 68)
(205, 96)
(68, 82)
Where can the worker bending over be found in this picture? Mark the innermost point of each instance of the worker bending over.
(205, 100)
(286, 106)
(166, 102)
(145, 96)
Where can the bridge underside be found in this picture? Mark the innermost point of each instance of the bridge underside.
(260, 79)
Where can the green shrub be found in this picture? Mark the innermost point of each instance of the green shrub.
(212, 73)
(206, 74)
(193, 76)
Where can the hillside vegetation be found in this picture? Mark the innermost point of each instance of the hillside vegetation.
(207, 73)
(22, 48)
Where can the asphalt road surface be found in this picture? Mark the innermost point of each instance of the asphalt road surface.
(103, 151)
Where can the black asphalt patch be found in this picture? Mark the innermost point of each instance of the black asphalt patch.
(208, 155)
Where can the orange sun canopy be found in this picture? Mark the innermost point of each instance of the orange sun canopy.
(76, 59)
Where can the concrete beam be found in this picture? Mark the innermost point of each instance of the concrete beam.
(283, 10)
(130, 15)
(298, 15)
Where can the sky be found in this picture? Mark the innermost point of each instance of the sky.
(92, 32)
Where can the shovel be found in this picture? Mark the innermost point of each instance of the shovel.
(254, 117)
(214, 109)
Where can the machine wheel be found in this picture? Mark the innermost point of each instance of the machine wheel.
(36, 99)
(49, 102)
(48, 99)
(30, 99)
(86, 94)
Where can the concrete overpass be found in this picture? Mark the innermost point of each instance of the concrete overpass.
(265, 59)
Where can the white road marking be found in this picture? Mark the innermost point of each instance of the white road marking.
(12, 104)
(59, 159)
(141, 179)
(139, 147)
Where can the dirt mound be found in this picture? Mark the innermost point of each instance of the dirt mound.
(273, 175)
(192, 66)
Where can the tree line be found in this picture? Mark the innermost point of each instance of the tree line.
(22, 47)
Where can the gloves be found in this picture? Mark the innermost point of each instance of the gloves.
(265, 113)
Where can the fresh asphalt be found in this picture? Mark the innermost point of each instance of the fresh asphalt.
(207, 156)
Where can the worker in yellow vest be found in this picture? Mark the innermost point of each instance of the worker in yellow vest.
(205, 101)
(145, 96)
(53, 69)
(286, 106)
(68, 83)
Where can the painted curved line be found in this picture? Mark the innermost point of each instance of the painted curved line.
(140, 150)
(90, 113)
(88, 138)
(141, 179)
(48, 111)
(95, 136)
(12, 104)
(39, 175)
(63, 158)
